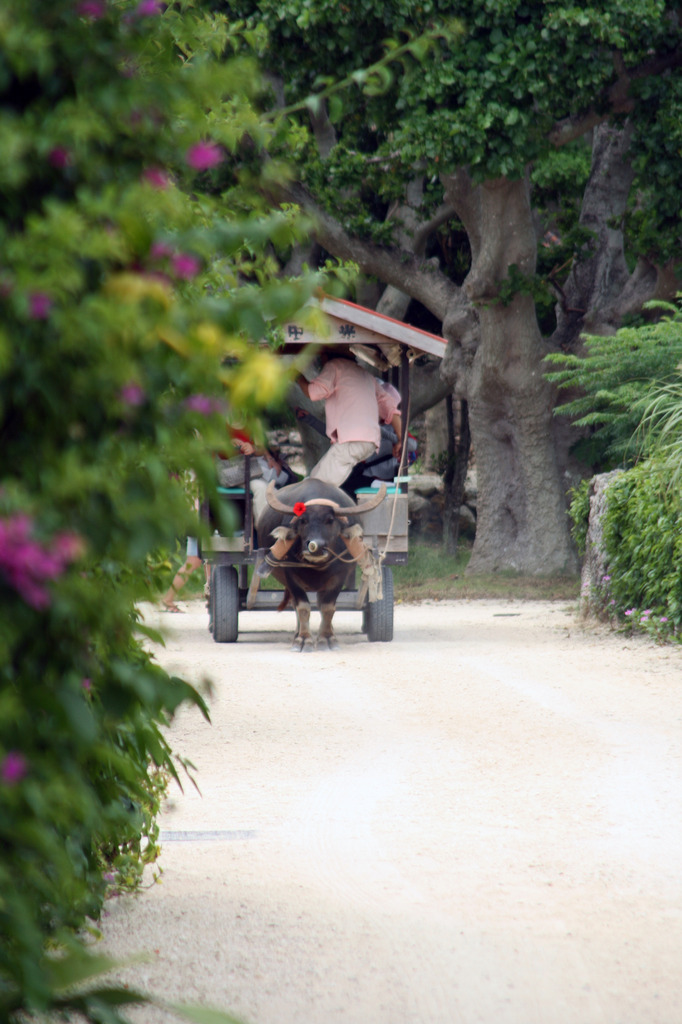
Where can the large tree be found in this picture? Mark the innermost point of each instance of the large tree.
(534, 143)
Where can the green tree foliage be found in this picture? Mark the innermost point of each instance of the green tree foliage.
(135, 277)
(611, 385)
(498, 86)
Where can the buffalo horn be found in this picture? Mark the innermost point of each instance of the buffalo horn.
(345, 510)
(367, 506)
(275, 503)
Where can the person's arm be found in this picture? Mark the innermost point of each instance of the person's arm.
(322, 386)
(303, 385)
(397, 425)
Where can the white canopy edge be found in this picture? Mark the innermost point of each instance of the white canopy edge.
(353, 325)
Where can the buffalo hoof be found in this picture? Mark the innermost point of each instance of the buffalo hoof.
(302, 643)
(331, 642)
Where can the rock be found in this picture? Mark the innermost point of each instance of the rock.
(467, 522)
(425, 484)
(593, 593)
(425, 516)
(416, 503)
(471, 486)
(425, 506)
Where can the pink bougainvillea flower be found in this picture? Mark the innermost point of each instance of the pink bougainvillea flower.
(92, 9)
(13, 768)
(204, 155)
(156, 177)
(149, 8)
(59, 157)
(160, 251)
(39, 305)
(68, 547)
(132, 394)
(185, 265)
(27, 565)
(204, 404)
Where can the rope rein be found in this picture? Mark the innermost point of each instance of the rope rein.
(308, 565)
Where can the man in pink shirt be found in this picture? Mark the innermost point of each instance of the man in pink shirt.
(355, 404)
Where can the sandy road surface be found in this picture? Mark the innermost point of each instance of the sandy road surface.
(481, 821)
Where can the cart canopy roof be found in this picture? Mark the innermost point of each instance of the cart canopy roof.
(371, 336)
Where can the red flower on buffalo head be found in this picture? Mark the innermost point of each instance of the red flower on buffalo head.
(299, 508)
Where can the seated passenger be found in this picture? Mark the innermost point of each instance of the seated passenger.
(273, 467)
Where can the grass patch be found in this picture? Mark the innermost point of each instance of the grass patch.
(432, 575)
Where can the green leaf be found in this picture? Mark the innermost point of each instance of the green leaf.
(314, 105)
(378, 81)
(76, 966)
(203, 1014)
(336, 108)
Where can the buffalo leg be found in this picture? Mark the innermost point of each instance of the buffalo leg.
(303, 640)
(326, 602)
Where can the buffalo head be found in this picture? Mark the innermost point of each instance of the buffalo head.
(319, 520)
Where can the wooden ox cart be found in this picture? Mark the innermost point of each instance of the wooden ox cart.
(390, 346)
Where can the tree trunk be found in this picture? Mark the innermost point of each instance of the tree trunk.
(458, 447)
(436, 444)
(522, 523)
(450, 514)
(600, 289)
(592, 296)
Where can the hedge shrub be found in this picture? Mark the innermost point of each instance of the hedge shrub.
(643, 551)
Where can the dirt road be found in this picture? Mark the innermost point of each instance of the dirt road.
(479, 822)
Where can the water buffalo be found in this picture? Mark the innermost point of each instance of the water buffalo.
(318, 527)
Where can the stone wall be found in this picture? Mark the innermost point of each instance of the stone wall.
(592, 581)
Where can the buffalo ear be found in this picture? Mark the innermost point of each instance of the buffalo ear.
(282, 533)
(352, 531)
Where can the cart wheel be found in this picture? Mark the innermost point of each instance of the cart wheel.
(377, 619)
(210, 602)
(225, 604)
